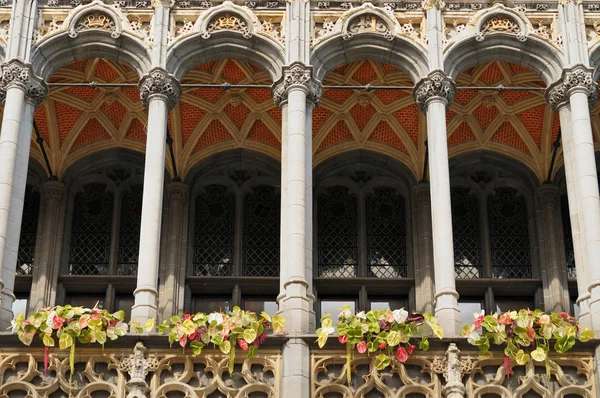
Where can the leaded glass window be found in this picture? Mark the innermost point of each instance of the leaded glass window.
(129, 231)
(214, 232)
(338, 233)
(29, 224)
(509, 234)
(465, 231)
(569, 250)
(261, 232)
(386, 234)
(91, 231)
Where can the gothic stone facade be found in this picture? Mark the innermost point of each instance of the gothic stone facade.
(168, 155)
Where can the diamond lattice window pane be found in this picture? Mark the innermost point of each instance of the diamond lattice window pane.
(129, 234)
(29, 223)
(509, 234)
(214, 232)
(465, 231)
(338, 235)
(386, 234)
(568, 235)
(91, 231)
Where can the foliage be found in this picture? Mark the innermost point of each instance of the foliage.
(224, 330)
(71, 325)
(379, 331)
(525, 335)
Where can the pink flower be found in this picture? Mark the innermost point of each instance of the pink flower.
(262, 338)
(243, 345)
(411, 349)
(507, 365)
(401, 354)
(505, 319)
(362, 347)
(343, 339)
(478, 321)
(382, 345)
(57, 322)
(183, 341)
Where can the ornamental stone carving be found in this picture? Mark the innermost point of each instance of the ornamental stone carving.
(158, 82)
(163, 3)
(430, 4)
(297, 74)
(454, 387)
(227, 21)
(17, 74)
(576, 78)
(368, 23)
(53, 190)
(436, 85)
(500, 23)
(556, 95)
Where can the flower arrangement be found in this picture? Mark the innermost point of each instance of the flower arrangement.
(525, 335)
(224, 330)
(379, 331)
(71, 325)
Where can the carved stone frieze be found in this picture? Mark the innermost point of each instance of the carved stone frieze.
(368, 23)
(297, 74)
(436, 84)
(159, 82)
(95, 20)
(227, 21)
(17, 73)
(500, 23)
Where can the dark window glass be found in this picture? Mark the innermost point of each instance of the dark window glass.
(569, 250)
(337, 226)
(465, 230)
(504, 304)
(86, 300)
(210, 304)
(91, 231)
(260, 304)
(214, 232)
(509, 234)
(129, 234)
(386, 234)
(125, 302)
(261, 232)
(29, 224)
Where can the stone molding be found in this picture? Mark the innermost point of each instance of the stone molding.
(294, 75)
(427, 5)
(577, 78)
(548, 195)
(163, 3)
(16, 73)
(158, 82)
(436, 85)
(53, 190)
(177, 191)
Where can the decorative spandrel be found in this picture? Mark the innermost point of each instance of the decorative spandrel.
(214, 232)
(466, 236)
(509, 234)
(568, 235)
(29, 224)
(261, 232)
(91, 231)
(338, 235)
(386, 234)
(129, 232)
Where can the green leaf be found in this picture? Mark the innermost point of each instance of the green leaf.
(393, 339)
(252, 351)
(101, 337)
(26, 336)
(278, 323)
(382, 361)
(249, 335)
(322, 337)
(196, 347)
(266, 316)
(48, 340)
(538, 354)
(586, 335)
(225, 347)
(522, 358)
(65, 341)
(188, 327)
(149, 324)
(119, 315)
(424, 344)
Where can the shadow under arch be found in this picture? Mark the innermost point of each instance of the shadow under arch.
(532, 53)
(399, 52)
(595, 61)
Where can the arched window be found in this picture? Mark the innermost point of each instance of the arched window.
(465, 230)
(568, 235)
(29, 224)
(386, 234)
(214, 232)
(338, 235)
(509, 234)
(91, 231)
(129, 231)
(261, 232)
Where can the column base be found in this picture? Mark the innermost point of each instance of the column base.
(7, 299)
(448, 314)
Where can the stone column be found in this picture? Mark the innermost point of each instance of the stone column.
(556, 295)
(23, 93)
(171, 292)
(433, 94)
(424, 260)
(298, 88)
(159, 92)
(44, 273)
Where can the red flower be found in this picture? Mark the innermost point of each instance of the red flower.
(531, 333)
(478, 321)
(362, 347)
(243, 345)
(382, 345)
(187, 316)
(57, 322)
(194, 336)
(183, 341)
(401, 354)
(507, 365)
(564, 315)
(262, 338)
(505, 319)
(343, 339)
(411, 349)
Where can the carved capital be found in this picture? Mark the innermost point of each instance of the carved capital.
(159, 83)
(548, 195)
(37, 91)
(430, 4)
(579, 78)
(18, 74)
(53, 190)
(556, 95)
(297, 75)
(163, 3)
(177, 192)
(436, 85)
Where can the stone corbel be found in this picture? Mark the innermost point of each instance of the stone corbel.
(158, 82)
(436, 85)
(297, 74)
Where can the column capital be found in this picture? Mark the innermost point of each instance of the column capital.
(53, 190)
(556, 95)
(297, 75)
(548, 195)
(16, 73)
(437, 84)
(158, 82)
(177, 191)
(577, 78)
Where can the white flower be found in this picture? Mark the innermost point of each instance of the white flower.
(346, 313)
(328, 330)
(400, 315)
(50, 320)
(361, 315)
(14, 326)
(473, 338)
(215, 316)
(477, 315)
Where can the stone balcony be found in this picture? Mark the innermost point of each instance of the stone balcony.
(163, 372)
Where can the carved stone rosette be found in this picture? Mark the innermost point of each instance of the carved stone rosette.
(297, 74)
(576, 78)
(159, 82)
(436, 85)
(16, 73)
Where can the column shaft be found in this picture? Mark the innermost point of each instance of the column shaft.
(424, 261)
